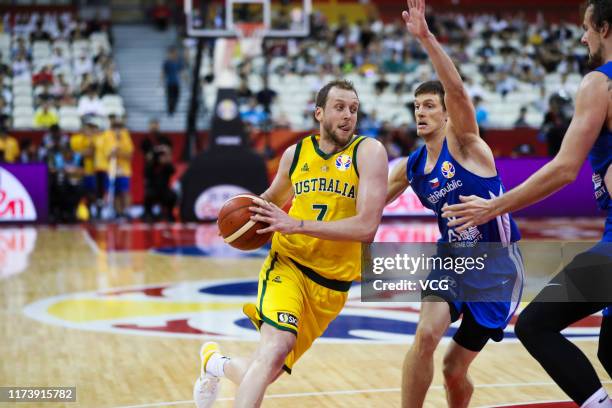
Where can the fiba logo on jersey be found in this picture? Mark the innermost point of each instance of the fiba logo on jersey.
(448, 170)
(343, 162)
(227, 110)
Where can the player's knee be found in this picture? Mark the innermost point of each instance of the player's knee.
(525, 329)
(275, 350)
(426, 339)
(454, 371)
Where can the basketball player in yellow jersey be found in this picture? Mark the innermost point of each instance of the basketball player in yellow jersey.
(338, 182)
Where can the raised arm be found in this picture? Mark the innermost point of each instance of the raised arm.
(458, 103)
(398, 181)
(280, 190)
(588, 120)
(373, 170)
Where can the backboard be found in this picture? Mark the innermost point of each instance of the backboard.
(278, 18)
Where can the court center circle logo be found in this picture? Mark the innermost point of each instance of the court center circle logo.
(213, 309)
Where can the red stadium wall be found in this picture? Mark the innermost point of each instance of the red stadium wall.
(501, 141)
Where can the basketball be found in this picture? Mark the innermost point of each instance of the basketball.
(236, 226)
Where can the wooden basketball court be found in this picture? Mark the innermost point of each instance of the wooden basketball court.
(120, 311)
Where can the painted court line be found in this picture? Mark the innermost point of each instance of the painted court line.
(352, 392)
(90, 242)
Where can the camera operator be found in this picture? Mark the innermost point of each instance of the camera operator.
(158, 170)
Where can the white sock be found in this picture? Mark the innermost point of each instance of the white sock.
(216, 365)
(598, 400)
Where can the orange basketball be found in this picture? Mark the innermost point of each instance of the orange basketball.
(236, 226)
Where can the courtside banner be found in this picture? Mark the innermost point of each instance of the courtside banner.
(487, 272)
(23, 192)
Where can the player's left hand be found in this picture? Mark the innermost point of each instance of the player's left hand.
(271, 214)
(472, 211)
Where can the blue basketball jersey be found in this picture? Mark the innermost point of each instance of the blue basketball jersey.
(445, 183)
(600, 157)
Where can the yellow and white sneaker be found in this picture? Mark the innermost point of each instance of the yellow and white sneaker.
(207, 386)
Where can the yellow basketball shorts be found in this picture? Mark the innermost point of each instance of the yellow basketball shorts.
(294, 298)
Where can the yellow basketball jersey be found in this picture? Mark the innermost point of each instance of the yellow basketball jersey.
(325, 189)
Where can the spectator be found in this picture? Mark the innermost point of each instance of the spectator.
(369, 125)
(253, 114)
(29, 152)
(243, 93)
(87, 81)
(90, 103)
(53, 141)
(505, 84)
(43, 77)
(266, 96)
(58, 60)
(62, 91)
(39, 34)
(158, 170)
(66, 171)
(482, 114)
(161, 15)
(9, 148)
(5, 69)
(521, 121)
(5, 111)
(110, 82)
(556, 122)
(45, 116)
(171, 76)
(83, 65)
(381, 84)
(21, 66)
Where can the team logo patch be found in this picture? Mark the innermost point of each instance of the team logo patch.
(435, 183)
(343, 162)
(287, 318)
(448, 170)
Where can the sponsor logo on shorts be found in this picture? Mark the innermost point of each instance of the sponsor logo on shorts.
(287, 318)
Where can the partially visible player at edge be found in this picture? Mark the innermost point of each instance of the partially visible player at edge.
(454, 160)
(338, 181)
(590, 134)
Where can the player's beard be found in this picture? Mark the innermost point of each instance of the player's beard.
(596, 59)
(333, 136)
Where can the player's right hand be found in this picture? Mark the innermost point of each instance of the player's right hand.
(415, 18)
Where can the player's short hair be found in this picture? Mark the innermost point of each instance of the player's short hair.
(431, 87)
(602, 13)
(321, 99)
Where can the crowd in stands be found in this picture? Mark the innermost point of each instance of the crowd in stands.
(55, 68)
(511, 67)
(57, 74)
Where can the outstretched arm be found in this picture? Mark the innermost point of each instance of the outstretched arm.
(398, 181)
(588, 120)
(372, 190)
(458, 104)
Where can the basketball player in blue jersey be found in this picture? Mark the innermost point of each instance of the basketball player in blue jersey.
(589, 275)
(453, 162)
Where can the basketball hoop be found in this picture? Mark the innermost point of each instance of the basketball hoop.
(250, 37)
(229, 51)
